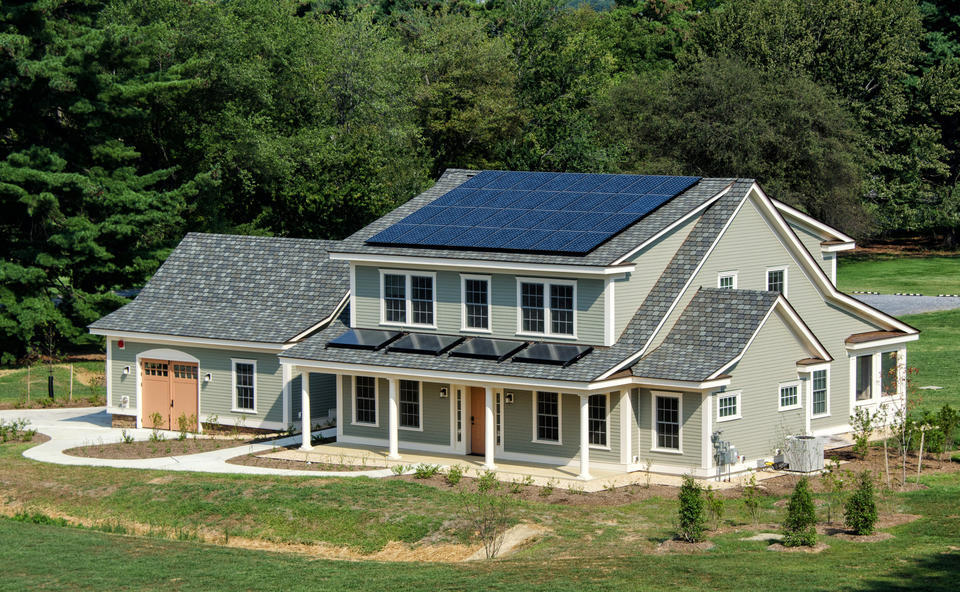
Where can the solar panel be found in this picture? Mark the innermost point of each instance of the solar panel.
(534, 212)
(558, 354)
(488, 349)
(425, 343)
(370, 339)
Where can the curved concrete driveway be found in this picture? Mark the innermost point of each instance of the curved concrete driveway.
(69, 428)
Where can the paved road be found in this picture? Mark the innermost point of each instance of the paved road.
(69, 428)
(904, 305)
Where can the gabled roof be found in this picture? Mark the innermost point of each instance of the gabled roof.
(696, 197)
(242, 288)
(714, 331)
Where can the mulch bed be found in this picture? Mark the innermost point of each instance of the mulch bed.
(676, 546)
(818, 548)
(258, 460)
(45, 403)
(36, 439)
(163, 448)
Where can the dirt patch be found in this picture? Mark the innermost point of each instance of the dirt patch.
(818, 548)
(163, 448)
(675, 546)
(36, 439)
(866, 538)
(910, 246)
(258, 460)
(46, 403)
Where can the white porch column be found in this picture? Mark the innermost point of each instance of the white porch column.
(394, 414)
(584, 438)
(306, 427)
(489, 429)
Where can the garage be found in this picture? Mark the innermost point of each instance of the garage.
(170, 392)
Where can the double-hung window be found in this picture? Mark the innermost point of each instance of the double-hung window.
(728, 406)
(476, 303)
(667, 416)
(820, 393)
(777, 280)
(410, 404)
(597, 420)
(789, 396)
(365, 391)
(889, 374)
(547, 409)
(244, 385)
(547, 307)
(407, 298)
(864, 377)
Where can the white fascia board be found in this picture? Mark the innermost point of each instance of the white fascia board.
(836, 248)
(192, 341)
(485, 379)
(820, 279)
(881, 343)
(812, 222)
(336, 312)
(508, 266)
(811, 367)
(675, 224)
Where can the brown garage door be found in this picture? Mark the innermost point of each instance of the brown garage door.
(169, 392)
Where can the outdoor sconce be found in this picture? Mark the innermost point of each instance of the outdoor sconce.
(207, 377)
(126, 370)
(443, 393)
(508, 397)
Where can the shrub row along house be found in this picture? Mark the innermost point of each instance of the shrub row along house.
(612, 321)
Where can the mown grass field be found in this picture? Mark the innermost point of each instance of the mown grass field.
(14, 382)
(888, 275)
(936, 355)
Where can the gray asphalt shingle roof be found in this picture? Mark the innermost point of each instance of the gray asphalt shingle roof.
(245, 288)
(605, 254)
(714, 328)
(639, 330)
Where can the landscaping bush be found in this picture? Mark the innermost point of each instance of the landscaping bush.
(425, 471)
(714, 507)
(799, 527)
(487, 513)
(751, 499)
(948, 419)
(691, 512)
(860, 513)
(454, 475)
(862, 423)
(16, 431)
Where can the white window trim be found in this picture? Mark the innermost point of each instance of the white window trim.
(874, 378)
(463, 303)
(408, 298)
(234, 407)
(606, 421)
(547, 317)
(786, 275)
(559, 440)
(376, 402)
(793, 383)
(822, 415)
(727, 395)
(724, 274)
(901, 382)
(419, 406)
(653, 421)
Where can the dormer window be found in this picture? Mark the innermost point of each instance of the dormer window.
(547, 307)
(407, 299)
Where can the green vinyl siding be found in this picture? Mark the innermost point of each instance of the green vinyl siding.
(630, 292)
(503, 304)
(435, 415)
(216, 397)
(751, 246)
(690, 429)
(762, 427)
(323, 396)
(518, 429)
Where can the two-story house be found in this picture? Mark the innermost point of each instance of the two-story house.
(612, 321)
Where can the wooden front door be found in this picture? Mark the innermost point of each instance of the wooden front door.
(169, 390)
(477, 418)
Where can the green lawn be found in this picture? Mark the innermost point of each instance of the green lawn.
(13, 384)
(924, 275)
(936, 355)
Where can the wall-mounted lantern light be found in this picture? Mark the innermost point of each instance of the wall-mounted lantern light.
(126, 370)
(207, 377)
(443, 392)
(508, 397)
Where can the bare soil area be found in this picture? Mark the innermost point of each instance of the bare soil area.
(676, 546)
(818, 548)
(162, 448)
(258, 460)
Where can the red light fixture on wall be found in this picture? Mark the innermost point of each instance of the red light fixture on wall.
(120, 344)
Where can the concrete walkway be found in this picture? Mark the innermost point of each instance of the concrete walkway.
(69, 428)
(896, 305)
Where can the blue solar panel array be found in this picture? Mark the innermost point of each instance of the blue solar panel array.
(540, 212)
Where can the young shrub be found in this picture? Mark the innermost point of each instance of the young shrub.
(487, 513)
(157, 419)
(751, 499)
(454, 475)
(860, 513)
(691, 514)
(547, 489)
(398, 470)
(835, 481)
(126, 437)
(488, 482)
(948, 419)
(799, 528)
(425, 471)
(714, 506)
(863, 424)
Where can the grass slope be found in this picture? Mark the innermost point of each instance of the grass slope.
(936, 355)
(13, 383)
(924, 275)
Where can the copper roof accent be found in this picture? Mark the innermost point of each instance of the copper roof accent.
(811, 361)
(872, 336)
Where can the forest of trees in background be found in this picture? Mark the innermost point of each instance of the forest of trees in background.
(126, 123)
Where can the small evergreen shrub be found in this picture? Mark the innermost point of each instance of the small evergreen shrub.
(860, 513)
(799, 528)
(691, 513)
